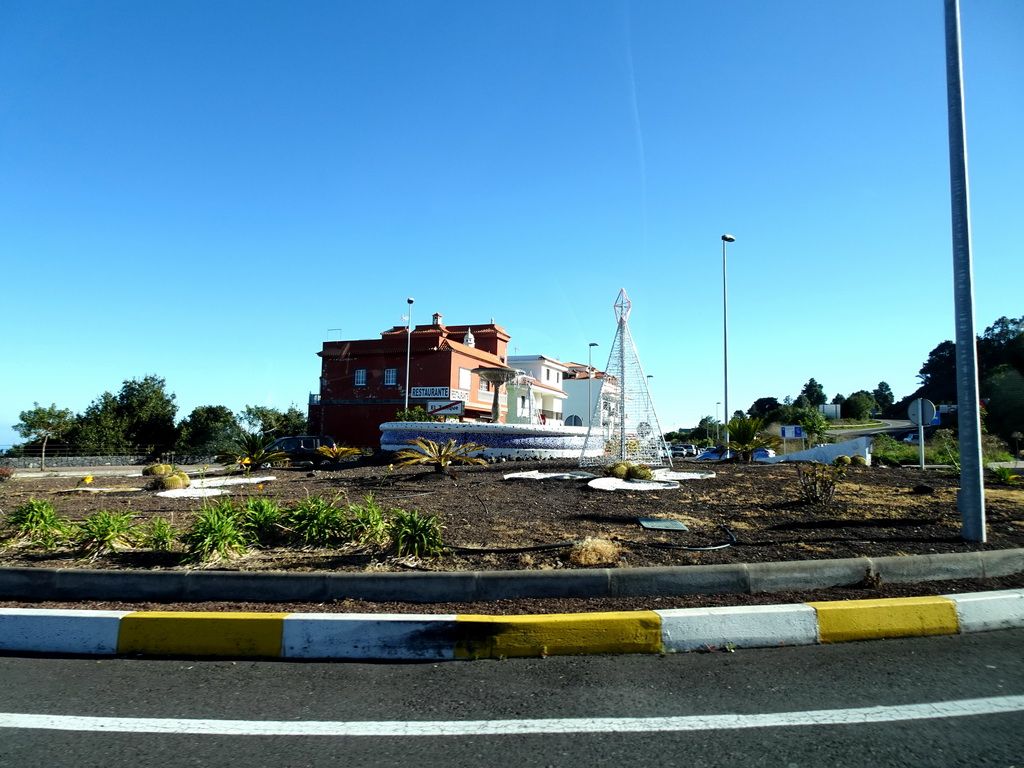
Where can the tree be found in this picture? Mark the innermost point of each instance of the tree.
(814, 392)
(883, 396)
(209, 429)
(139, 418)
(271, 421)
(43, 423)
(859, 405)
(746, 436)
(763, 406)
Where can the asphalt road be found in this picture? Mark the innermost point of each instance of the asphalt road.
(855, 704)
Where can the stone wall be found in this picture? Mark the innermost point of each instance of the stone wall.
(59, 462)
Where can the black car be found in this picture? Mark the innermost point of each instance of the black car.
(302, 449)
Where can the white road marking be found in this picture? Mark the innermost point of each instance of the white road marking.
(858, 716)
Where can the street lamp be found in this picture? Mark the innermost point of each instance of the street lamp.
(717, 434)
(590, 381)
(408, 355)
(725, 330)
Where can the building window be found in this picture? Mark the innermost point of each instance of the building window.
(360, 377)
(547, 374)
(465, 379)
(484, 385)
(390, 377)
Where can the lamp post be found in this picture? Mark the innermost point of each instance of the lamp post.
(725, 330)
(590, 382)
(408, 355)
(717, 434)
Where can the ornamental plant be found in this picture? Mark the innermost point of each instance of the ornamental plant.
(441, 457)
(415, 534)
(818, 482)
(251, 450)
(106, 533)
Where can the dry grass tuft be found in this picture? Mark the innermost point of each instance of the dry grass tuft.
(595, 552)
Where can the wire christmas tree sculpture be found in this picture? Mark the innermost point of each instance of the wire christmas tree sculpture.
(624, 425)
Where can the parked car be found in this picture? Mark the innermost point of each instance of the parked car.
(684, 450)
(301, 449)
(721, 452)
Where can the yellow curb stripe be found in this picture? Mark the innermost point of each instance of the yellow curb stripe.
(173, 633)
(892, 617)
(551, 634)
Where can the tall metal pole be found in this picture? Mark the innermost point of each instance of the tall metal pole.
(590, 380)
(408, 355)
(971, 498)
(725, 331)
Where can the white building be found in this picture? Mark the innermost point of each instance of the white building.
(538, 396)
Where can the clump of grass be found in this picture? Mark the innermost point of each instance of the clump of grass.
(415, 534)
(368, 523)
(1006, 476)
(316, 521)
(262, 516)
(157, 534)
(590, 552)
(106, 532)
(216, 533)
(36, 522)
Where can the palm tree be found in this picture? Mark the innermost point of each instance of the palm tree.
(746, 437)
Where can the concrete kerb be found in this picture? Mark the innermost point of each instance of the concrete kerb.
(480, 586)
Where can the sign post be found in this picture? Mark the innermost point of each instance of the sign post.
(795, 431)
(921, 412)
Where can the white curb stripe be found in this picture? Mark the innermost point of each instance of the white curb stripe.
(985, 611)
(751, 626)
(859, 716)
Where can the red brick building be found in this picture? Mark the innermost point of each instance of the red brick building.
(362, 382)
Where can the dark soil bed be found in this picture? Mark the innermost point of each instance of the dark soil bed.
(745, 513)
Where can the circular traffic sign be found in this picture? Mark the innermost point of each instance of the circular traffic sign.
(921, 411)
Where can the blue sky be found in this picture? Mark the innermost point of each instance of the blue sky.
(202, 190)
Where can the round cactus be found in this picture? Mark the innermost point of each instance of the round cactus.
(186, 481)
(639, 472)
(172, 482)
(858, 461)
(158, 470)
(842, 461)
(619, 469)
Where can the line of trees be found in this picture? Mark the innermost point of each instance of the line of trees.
(140, 419)
(1001, 387)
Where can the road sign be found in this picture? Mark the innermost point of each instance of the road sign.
(921, 411)
(445, 408)
(796, 432)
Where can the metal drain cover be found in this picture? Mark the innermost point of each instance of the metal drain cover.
(661, 525)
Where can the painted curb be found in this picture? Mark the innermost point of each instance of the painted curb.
(419, 637)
